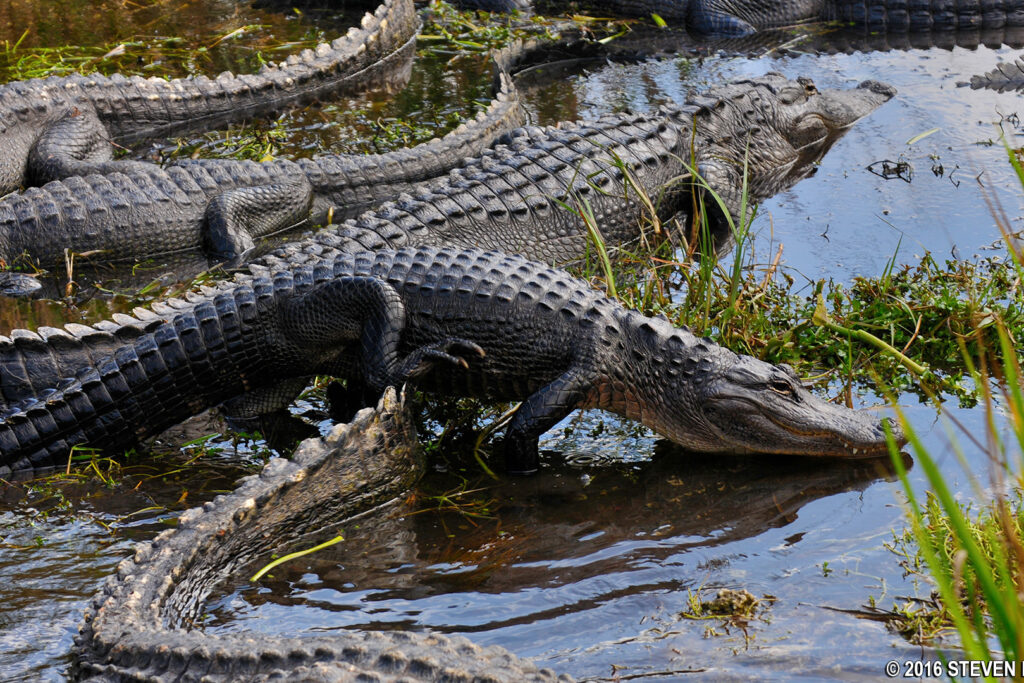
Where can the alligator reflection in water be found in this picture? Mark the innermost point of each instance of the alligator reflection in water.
(583, 538)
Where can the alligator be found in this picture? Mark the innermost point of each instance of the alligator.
(129, 210)
(62, 113)
(732, 17)
(618, 169)
(79, 116)
(502, 327)
(136, 627)
(510, 197)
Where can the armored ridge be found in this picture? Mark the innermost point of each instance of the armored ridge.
(1006, 77)
(134, 629)
(739, 17)
(544, 338)
(132, 108)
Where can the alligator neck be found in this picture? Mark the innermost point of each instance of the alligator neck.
(655, 372)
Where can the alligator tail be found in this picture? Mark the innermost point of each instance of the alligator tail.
(136, 107)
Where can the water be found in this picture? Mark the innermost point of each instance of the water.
(588, 567)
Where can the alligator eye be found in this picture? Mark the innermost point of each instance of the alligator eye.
(781, 387)
(790, 95)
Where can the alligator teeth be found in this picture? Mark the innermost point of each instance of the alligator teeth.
(855, 451)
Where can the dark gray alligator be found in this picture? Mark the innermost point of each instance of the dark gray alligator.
(137, 626)
(619, 169)
(77, 116)
(544, 338)
(511, 197)
(739, 17)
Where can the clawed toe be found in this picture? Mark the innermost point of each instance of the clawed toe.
(464, 347)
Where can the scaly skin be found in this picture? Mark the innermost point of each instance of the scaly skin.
(547, 339)
(512, 197)
(136, 107)
(131, 210)
(136, 629)
(740, 17)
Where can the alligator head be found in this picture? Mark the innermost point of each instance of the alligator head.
(756, 406)
(772, 128)
(769, 119)
(709, 399)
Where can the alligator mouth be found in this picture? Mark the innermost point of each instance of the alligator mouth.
(815, 436)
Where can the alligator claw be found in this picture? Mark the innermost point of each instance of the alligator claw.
(450, 351)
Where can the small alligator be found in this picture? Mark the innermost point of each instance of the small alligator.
(545, 338)
(511, 197)
(137, 627)
(61, 114)
(740, 17)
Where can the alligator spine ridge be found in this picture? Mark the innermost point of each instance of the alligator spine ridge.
(357, 467)
(136, 107)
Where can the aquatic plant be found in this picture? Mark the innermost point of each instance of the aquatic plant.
(975, 556)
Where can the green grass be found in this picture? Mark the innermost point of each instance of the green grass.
(973, 553)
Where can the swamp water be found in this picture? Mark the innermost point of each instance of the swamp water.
(588, 567)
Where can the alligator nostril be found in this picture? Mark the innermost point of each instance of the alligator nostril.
(878, 87)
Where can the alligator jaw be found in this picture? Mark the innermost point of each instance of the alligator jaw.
(824, 429)
(761, 408)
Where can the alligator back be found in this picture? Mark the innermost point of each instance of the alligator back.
(120, 216)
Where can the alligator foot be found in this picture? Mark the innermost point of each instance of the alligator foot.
(345, 401)
(236, 217)
(521, 458)
(451, 351)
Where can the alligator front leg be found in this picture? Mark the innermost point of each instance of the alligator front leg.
(235, 218)
(334, 315)
(539, 413)
(75, 145)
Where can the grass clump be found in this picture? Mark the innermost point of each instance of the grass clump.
(975, 557)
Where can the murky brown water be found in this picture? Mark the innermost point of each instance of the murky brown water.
(587, 567)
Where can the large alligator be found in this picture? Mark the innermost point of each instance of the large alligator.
(741, 17)
(137, 626)
(544, 338)
(61, 114)
(512, 197)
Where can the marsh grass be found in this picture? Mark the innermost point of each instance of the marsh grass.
(973, 553)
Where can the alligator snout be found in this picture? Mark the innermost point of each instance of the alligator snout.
(878, 87)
